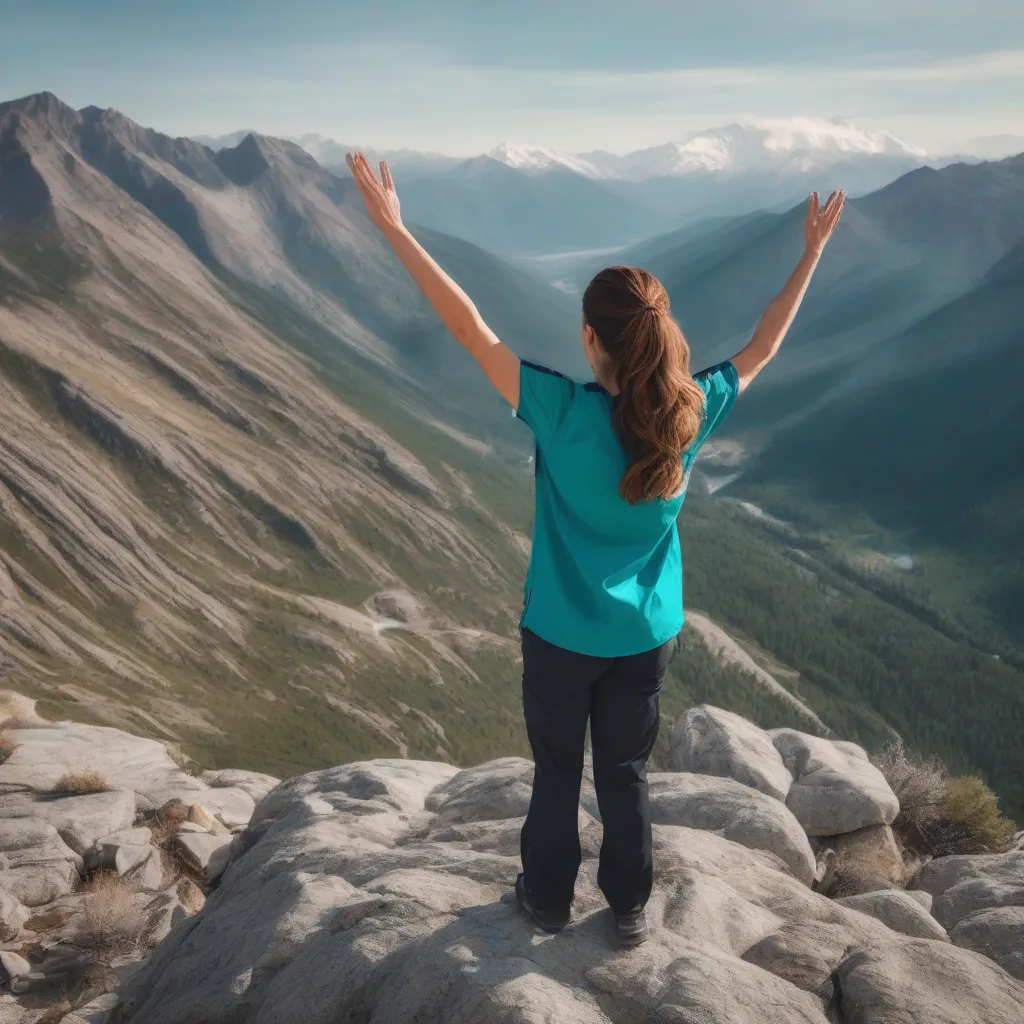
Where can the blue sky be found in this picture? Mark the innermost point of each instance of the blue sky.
(462, 75)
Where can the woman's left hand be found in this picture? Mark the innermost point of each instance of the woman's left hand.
(379, 195)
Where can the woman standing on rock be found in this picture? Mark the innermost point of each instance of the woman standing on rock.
(604, 587)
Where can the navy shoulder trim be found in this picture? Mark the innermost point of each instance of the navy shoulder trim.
(594, 386)
(543, 369)
(725, 366)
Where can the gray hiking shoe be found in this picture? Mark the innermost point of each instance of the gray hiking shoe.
(631, 928)
(543, 919)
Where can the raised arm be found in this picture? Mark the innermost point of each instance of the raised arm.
(450, 302)
(776, 319)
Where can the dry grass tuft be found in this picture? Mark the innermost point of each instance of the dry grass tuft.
(920, 786)
(112, 924)
(81, 783)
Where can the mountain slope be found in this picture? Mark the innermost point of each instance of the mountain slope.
(265, 215)
(944, 434)
(509, 210)
(194, 513)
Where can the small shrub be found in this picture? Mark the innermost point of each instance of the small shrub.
(6, 747)
(969, 821)
(920, 785)
(81, 783)
(112, 925)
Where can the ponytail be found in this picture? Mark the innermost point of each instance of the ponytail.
(660, 407)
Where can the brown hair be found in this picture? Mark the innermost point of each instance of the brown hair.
(660, 407)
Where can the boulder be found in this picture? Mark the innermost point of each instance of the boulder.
(998, 933)
(205, 853)
(835, 787)
(12, 965)
(231, 807)
(870, 853)
(963, 885)
(127, 858)
(45, 751)
(255, 784)
(710, 741)
(738, 812)
(36, 865)
(141, 866)
(497, 790)
(916, 981)
(200, 816)
(924, 898)
(388, 794)
(13, 916)
(103, 853)
(38, 884)
(80, 820)
(899, 911)
(96, 1011)
(943, 873)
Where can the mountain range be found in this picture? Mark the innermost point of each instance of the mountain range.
(757, 146)
(529, 200)
(254, 500)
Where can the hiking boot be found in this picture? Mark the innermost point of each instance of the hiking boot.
(631, 928)
(543, 919)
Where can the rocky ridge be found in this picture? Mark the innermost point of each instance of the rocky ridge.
(193, 497)
(380, 891)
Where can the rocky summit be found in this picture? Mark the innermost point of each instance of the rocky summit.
(132, 892)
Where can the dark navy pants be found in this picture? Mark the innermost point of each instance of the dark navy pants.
(619, 697)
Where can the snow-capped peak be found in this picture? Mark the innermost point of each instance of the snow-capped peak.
(539, 158)
(796, 144)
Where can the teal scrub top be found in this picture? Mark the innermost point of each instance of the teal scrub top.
(605, 577)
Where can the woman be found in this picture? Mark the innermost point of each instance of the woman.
(604, 587)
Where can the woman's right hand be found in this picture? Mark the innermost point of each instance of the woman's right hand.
(821, 223)
(380, 196)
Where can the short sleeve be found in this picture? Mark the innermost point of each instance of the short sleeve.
(721, 385)
(545, 398)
